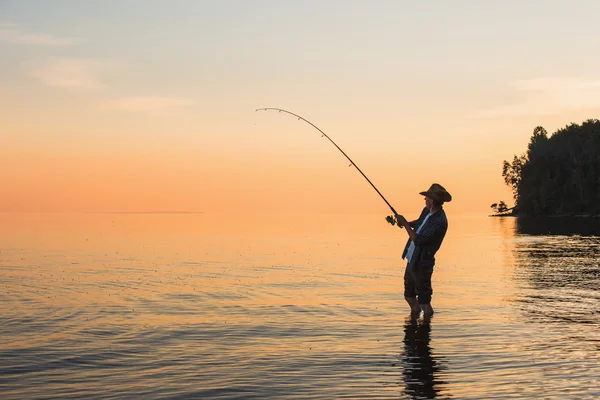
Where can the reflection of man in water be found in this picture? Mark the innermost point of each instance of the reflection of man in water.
(425, 238)
(420, 369)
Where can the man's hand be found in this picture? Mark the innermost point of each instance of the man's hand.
(400, 220)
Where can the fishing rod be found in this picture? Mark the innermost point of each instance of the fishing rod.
(389, 218)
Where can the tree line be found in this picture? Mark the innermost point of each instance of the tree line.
(557, 175)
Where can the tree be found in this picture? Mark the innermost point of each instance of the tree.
(500, 208)
(559, 174)
(512, 174)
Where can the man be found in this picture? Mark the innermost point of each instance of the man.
(425, 238)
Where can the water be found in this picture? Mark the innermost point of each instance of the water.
(203, 306)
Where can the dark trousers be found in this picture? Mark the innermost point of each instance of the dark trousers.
(417, 283)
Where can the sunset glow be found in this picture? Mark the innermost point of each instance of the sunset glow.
(151, 107)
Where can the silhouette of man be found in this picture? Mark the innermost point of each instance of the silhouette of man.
(425, 238)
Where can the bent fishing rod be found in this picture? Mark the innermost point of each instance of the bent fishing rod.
(389, 218)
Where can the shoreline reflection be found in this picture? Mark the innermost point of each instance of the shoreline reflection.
(557, 273)
(567, 226)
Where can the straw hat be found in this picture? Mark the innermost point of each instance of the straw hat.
(437, 192)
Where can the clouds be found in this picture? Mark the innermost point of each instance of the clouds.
(83, 75)
(12, 33)
(78, 74)
(87, 75)
(549, 96)
(148, 104)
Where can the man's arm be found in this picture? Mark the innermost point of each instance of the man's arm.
(415, 223)
(431, 232)
(402, 222)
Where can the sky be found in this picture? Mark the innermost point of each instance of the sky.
(146, 105)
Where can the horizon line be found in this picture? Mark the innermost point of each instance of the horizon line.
(144, 212)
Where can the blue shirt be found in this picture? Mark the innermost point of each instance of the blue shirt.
(428, 238)
(411, 247)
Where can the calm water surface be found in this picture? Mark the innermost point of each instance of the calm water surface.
(197, 306)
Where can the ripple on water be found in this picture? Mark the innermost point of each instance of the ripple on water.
(518, 318)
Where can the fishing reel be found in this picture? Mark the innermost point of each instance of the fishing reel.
(392, 220)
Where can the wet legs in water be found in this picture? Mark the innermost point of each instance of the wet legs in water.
(415, 307)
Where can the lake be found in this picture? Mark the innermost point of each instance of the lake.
(176, 306)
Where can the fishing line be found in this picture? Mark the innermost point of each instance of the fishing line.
(390, 218)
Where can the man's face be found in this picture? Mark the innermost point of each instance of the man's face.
(428, 203)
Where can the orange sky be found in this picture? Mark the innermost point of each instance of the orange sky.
(105, 112)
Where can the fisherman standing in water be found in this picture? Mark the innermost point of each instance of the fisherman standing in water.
(423, 243)
(425, 238)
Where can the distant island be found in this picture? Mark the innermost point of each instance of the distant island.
(558, 175)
